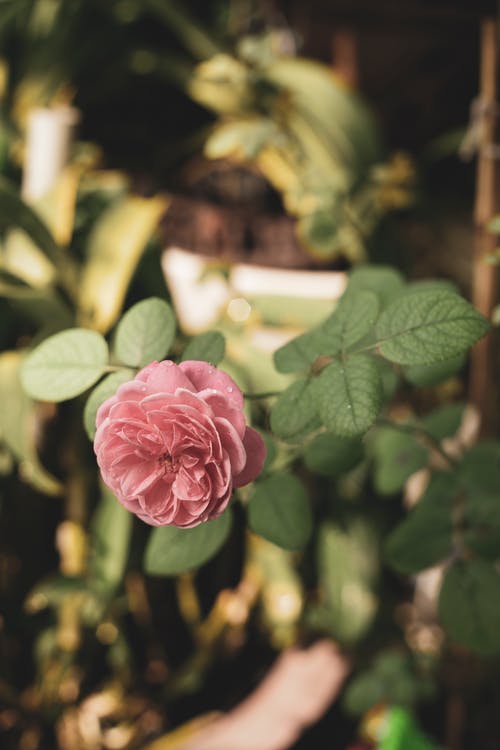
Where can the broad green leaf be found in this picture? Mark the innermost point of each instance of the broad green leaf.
(18, 426)
(425, 536)
(294, 413)
(397, 455)
(279, 510)
(469, 605)
(330, 455)
(353, 318)
(444, 421)
(347, 559)
(384, 281)
(430, 285)
(171, 550)
(64, 365)
(206, 347)
(429, 326)
(114, 249)
(349, 395)
(101, 392)
(301, 352)
(426, 375)
(145, 333)
(111, 529)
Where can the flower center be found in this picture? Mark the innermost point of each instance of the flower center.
(168, 463)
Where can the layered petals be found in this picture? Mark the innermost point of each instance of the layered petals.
(172, 443)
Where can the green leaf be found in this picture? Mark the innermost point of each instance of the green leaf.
(444, 421)
(301, 352)
(111, 529)
(426, 375)
(207, 347)
(171, 550)
(397, 456)
(425, 536)
(279, 510)
(429, 326)
(145, 333)
(64, 365)
(353, 318)
(348, 564)
(479, 477)
(384, 281)
(15, 213)
(331, 456)
(294, 413)
(101, 392)
(349, 395)
(469, 605)
(18, 421)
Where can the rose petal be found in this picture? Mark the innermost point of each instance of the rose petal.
(256, 455)
(203, 375)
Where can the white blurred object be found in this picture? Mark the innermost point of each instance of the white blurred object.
(201, 297)
(48, 144)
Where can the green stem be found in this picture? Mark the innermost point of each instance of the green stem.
(190, 33)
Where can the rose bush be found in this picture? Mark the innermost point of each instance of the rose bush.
(173, 442)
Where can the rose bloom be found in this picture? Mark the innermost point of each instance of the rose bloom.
(173, 442)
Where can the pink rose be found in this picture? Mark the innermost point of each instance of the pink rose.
(173, 442)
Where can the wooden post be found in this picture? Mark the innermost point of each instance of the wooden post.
(485, 281)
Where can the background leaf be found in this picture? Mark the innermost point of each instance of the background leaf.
(349, 395)
(425, 536)
(429, 326)
(397, 456)
(171, 550)
(386, 282)
(207, 347)
(469, 605)
(64, 365)
(145, 333)
(279, 510)
(110, 537)
(331, 455)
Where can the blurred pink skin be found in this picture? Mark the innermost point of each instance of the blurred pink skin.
(173, 442)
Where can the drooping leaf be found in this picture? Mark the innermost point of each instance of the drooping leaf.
(279, 510)
(171, 550)
(18, 426)
(206, 347)
(64, 365)
(469, 605)
(427, 327)
(424, 538)
(294, 413)
(145, 333)
(397, 455)
(115, 247)
(331, 456)
(349, 395)
(106, 388)
(110, 537)
(14, 212)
